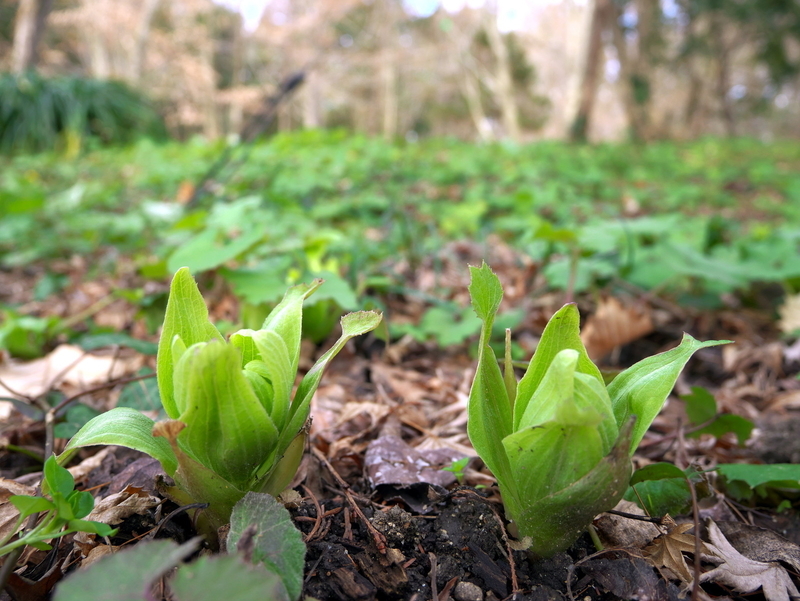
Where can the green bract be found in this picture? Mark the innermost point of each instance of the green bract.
(234, 426)
(559, 441)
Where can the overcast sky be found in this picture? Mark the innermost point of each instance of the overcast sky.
(512, 12)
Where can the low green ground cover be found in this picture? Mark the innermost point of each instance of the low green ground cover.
(694, 220)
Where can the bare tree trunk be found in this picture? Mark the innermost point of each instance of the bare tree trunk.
(504, 82)
(390, 103)
(472, 94)
(211, 125)
(591, 71)
(149, 8)
(100, 61)
(311, 101)
(636, 64)
(235, 110)
(29, 27)
(722, 57)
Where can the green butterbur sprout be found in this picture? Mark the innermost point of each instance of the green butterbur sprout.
(234, 424)
(560, 441)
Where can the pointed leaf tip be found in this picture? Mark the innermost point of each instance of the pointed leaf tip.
(360, 322)
(485, 291)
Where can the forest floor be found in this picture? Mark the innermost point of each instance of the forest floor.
(381, 517)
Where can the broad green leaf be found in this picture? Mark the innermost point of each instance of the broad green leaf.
(199, 482)
(567, 438)
(562, 332)
(57, 479)
(282, 466)
(657, 471)
(142, 395)
(286, 319)
(90, 342)
(27, 505)
(642, 389)
(486, 294)
(276, 542)
(275, 358)
(125, 427)
(551, 456)
(489, 407)
(210, 249)
(257, 374)
(701, 406)
(725, 423)
(489, 411)
(77, 416)
(509, 377)
(91, 527)
(227, 428)
(353, 324)
(265, 283)
(127, 575)
(564, 386)
(82, 503)
(337, 289)
(243, 340)
(555, 521)
(757, 475)
(212, 578)
(187, 317)
(660, 497)
(662, 488)
(63, 508)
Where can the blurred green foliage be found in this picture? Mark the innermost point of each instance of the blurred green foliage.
(694, 220)
(40, 114)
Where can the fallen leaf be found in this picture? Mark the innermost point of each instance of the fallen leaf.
(761, 544)
(746, 575)
(113, 509)
(667, 551)
(8, 513)
(630, 578)
(613, 325)
(390, 460)
(67, 365)
(790, 314)
(624, 532)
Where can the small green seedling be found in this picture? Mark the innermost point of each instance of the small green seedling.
(234, 426)
(701, 409)
(663, 488)
(457, 468)
(772, 485)
(560, 441)
(62, 512)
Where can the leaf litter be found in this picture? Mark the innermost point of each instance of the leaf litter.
(369, 538)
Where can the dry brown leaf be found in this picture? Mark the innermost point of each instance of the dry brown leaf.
(620, 531)
(81, 471)
(391, 460)
(9, 513)
(760, 544)
(668, 549)
(115, 508)
(66, 365)
(613, 325)
(790, 314)
(746, 575)
(96, 553)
